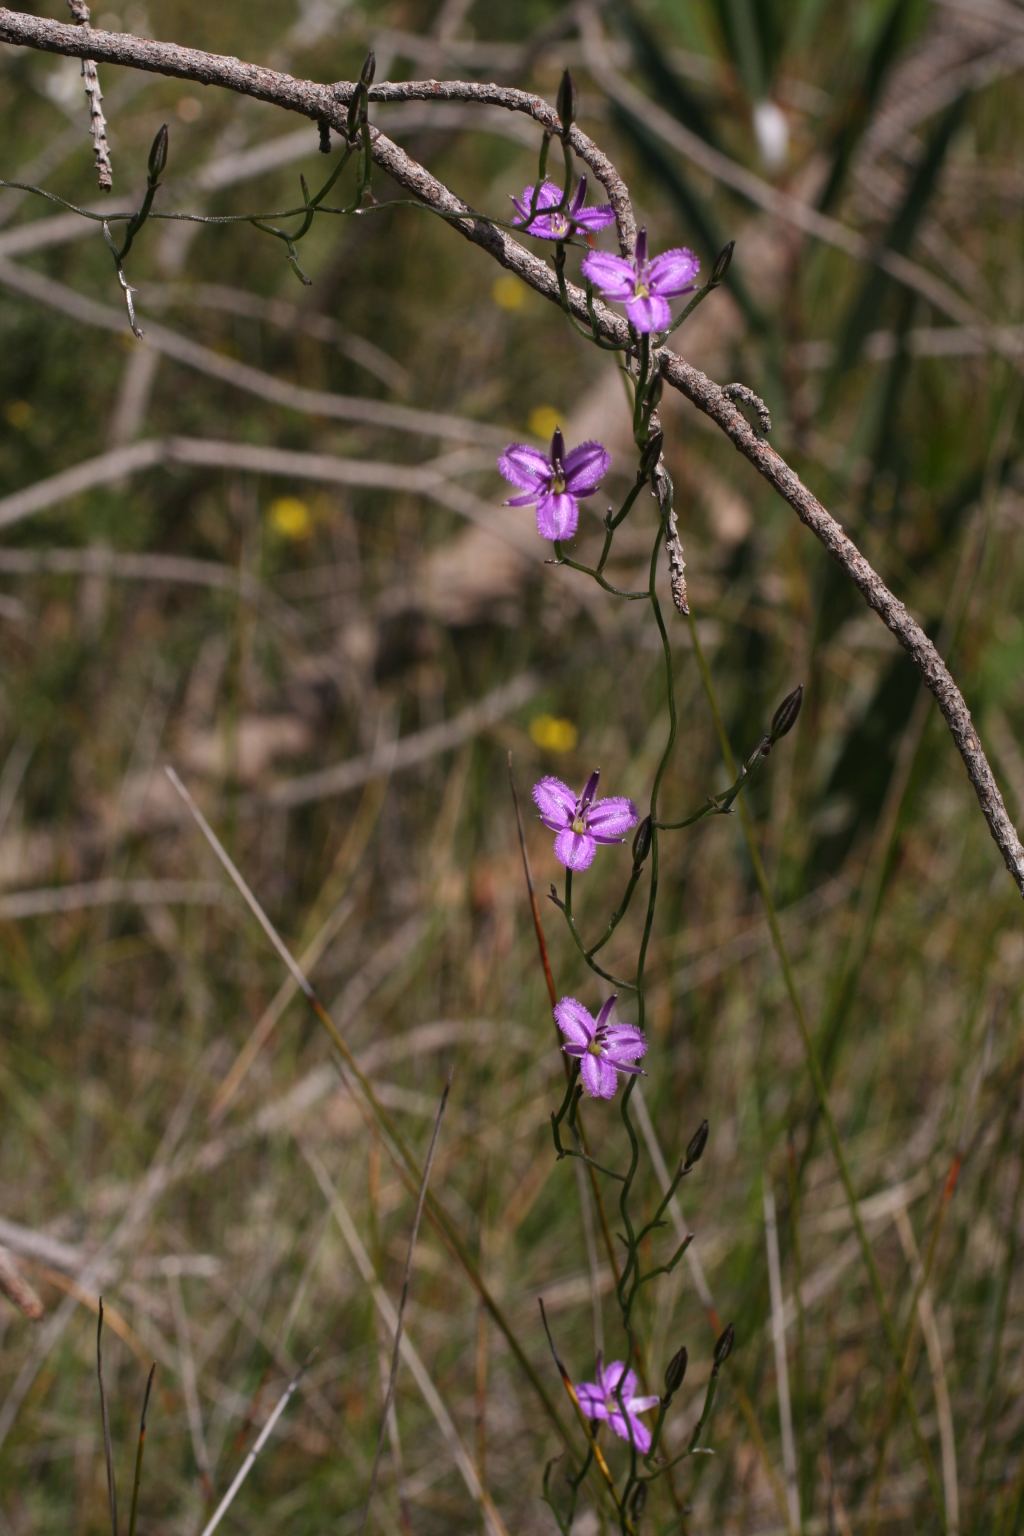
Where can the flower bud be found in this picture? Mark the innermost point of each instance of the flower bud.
(652, 395)
(368, 70)
(325, 136)
(158, 155)
(641, 843)
(674, 1374)
(699, 1140)
(723, 1349)
(567, 102)
(722, 263)
(638, 1500)
(784, 717)
(651, 454)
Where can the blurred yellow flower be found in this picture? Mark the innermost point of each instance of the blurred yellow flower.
(18, 414)
(509, 292)
(553, 734)
(291, 518)
(543, 420)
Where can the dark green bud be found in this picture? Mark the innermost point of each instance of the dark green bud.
(368, 70)
(723, 1349)
(642, 843)
(325, 136)
(638, 1500)
(567, 102)
(674, 1374)
(784, 717)
(722, 264)
(651, 454)
(158, 155)
(699, 1140)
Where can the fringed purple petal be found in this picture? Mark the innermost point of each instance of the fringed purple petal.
(574, 1021)
(575, 850)
(609, 819)
(598, 1078)
(550, 196)
(625, 1040)
(585, 468)
(575, 1050)
(591, 1400)
(525, 466)
(556, 803)
(593, 219)
(672, 272)
(606, 1011)
(614, 275)
(611, 1377)
(590, 789)
(641, 1434)
(651, 314)
(643, 1404)
(557, 516)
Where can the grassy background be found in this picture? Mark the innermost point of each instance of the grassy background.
(371, 612)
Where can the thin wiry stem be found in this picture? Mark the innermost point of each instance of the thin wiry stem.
(395, 1354)
(138, 1453)
(395, 1142)
(111, 1489)
(818, 1079)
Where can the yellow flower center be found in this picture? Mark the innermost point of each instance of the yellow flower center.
(594, 1048)
(578, 826)
(558, 482)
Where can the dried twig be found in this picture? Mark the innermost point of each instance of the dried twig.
(409, 750)
(771, 1233)
(98, 123)
(933, 1344)
(389, 1395)
(461, 1456)
(50, 900)
(17, 1289)
(248, 1463)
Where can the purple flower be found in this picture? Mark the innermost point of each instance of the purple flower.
(582, 824)
(644, 286)
(602, 1049)
(559, 226)
(599, 1401)
(555, 483)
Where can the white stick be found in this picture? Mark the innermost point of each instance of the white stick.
(247, 1464)
(771, 1235)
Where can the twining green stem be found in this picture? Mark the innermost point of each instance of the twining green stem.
(721, 805)
(618, 914)
(698, 298)
(817, 1078)
(630, 986)
(574, 565)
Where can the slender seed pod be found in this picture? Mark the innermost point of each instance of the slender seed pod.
(158, 156)
(699, 1140)
(785, 716)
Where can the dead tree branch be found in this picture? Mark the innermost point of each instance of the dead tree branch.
(329, 103)
(98, 123)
